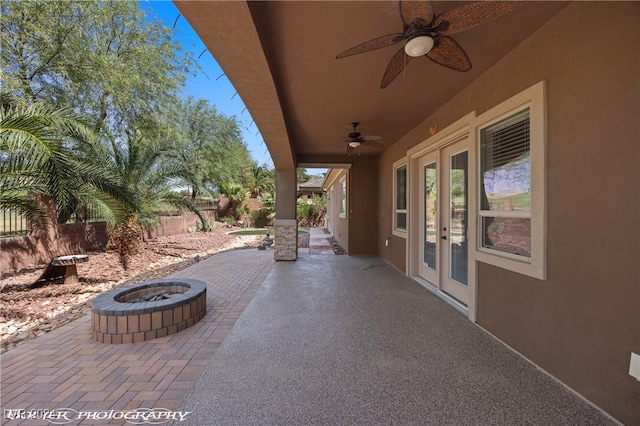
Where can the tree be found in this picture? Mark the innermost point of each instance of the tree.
(151, 187)
(264, 216)
(260, 180)
(206, 143)
(105, 60)
(302, 176)
(312, 214)
(101, 58)
(236, 195)
(36, 158)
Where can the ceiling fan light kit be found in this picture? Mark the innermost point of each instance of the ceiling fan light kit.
(356, 139)
(429, 35)
(418, 46)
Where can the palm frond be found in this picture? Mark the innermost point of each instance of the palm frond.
(36, 143)
(26, 206)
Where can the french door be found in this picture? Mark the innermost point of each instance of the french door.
(443, 247)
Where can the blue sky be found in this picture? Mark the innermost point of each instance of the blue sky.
(209, 84)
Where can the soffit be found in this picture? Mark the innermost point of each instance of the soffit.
(281, 60)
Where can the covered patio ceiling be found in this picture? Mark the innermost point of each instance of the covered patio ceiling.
(280, 56)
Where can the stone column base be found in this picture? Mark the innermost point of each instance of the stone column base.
(286, 247)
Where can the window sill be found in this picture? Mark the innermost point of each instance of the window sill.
(400, 233)
(520, 265)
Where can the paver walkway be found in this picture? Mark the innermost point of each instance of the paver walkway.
(66, 368)
(318, 243)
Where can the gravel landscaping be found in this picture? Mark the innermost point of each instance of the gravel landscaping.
(28, 311)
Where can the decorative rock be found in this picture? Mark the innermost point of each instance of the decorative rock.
(40, 311)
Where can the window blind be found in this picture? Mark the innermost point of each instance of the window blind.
(506, 141)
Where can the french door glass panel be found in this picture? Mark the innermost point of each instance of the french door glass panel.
(430, 210)
(458, 217)
(443, 257)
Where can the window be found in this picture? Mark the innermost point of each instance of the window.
(511, 184)
(400, 199)
(343, 197)
(505, 186)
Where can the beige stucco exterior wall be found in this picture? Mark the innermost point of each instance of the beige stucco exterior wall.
(338, 224)
(583, 322)
(363, 206)
(356, 232)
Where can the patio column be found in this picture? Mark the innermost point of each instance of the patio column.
(286, 224)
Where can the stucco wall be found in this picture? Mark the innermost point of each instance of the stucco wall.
(175, 225)
(363, 206)
(338, 226)
(583, 322)
(356, 232)
(395, 252)
(41, 246)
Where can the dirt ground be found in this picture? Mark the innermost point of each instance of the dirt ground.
(28, 311)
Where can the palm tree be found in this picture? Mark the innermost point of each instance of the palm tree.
(236, 194)
(260, 180)
(36, 158)
(151, 186)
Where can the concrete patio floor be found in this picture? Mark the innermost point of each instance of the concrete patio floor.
(340, 340)
(325, 340)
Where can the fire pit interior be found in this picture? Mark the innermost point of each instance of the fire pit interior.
(148, 310)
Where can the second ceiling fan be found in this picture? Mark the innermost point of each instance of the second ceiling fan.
(430, 35)
(355, 139)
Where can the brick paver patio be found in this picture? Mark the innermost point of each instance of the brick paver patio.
(66, 368)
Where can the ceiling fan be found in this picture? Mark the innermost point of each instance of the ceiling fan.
(430, 35)
(355, 139)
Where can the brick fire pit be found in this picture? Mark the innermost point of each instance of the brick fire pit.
(123, 315)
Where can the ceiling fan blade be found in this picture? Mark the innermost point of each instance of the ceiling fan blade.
(371, 138)
(450, 54)
(399, 61)
(410, 10)
(465, 17)
(373, 143)
(376, 43)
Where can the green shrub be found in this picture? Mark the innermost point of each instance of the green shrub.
(229, 221)
(311, 214)
(206, 227)
(260, 218)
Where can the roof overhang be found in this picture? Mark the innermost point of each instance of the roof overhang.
(280, 56)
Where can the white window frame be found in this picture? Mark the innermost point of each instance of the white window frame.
(532, 98)
(342, 197)
(400, 232)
